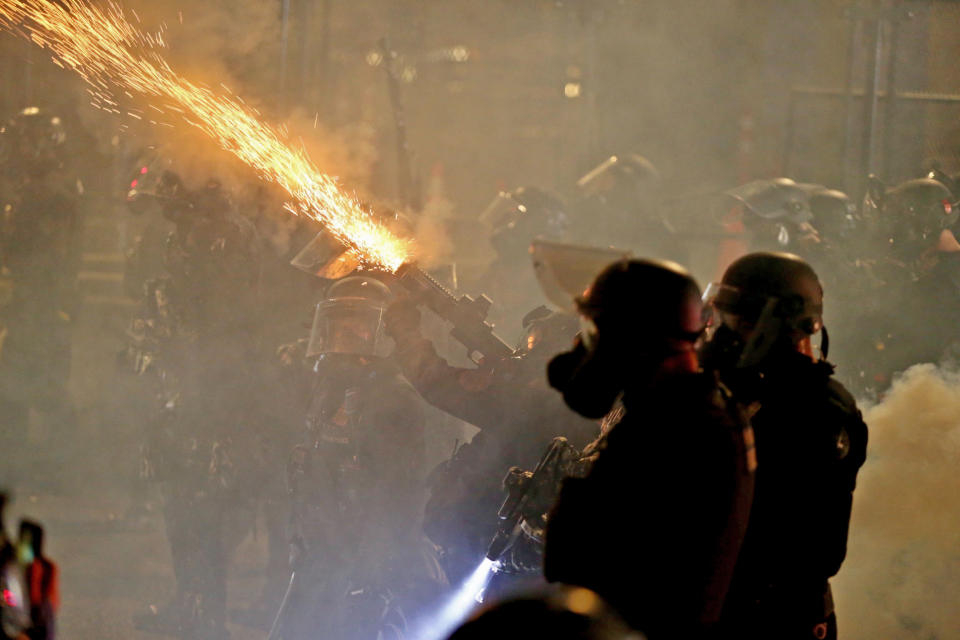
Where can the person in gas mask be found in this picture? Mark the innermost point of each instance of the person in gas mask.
(810, 443)
(356, 482)
(913, 313)
(509, 402)
(656, 524)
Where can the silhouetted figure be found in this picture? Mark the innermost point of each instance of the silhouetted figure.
(810, 443)
(42, 582)
(656, 524)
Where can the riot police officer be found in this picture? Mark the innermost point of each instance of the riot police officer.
(912, 312)
(810, 443)
(508, 401)
(361, 566)
(513, 219)
(619, 203)
(655, 525)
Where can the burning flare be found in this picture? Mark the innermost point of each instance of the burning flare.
(108, 51)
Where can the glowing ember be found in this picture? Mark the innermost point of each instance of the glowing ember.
(107, 51)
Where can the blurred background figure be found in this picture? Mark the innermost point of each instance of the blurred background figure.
(619, 203)
(513, 219)
(42, 579)
(908, 309)
(39, 260)
(15, 613)
(198, 332)
(568, 613)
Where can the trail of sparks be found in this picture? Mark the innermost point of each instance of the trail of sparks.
(108, 51)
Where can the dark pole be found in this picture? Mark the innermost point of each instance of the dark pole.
(306, 71)
(886, 164)
(853, 44)
(284, 41)
(324, 83)
(791, 133)
(27, 77)
(869, 131)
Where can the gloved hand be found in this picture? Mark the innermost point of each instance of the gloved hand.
(402, 319)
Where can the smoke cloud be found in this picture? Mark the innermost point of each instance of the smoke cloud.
(902, 573)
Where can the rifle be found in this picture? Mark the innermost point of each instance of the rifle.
(408, 185)
(468, 315)
(530, 495)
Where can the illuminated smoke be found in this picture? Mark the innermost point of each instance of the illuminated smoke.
(457, 607)
(109, 52)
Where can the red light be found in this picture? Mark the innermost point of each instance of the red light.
(133, 184)
(947, 207)
(143, 170)
(9, 598)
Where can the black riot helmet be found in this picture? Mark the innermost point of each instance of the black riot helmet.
(623, 188)
(516, 217)
(638, 316)
(951, 182)
(349, 320)
(567, 613)
(33, 143)
(546, 331)
(635, 298)
(769, 300)
(914, 214)
(777, 211)
(835, 215)
(150, 182)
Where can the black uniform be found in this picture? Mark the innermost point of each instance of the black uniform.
(655, 526)
(517, 416)
(810, 442)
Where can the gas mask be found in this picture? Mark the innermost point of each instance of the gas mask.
(589, 381)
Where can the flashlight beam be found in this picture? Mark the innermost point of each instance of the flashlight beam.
(457, 607)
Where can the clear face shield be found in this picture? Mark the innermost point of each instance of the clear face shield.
(762, 321)
(352, 326)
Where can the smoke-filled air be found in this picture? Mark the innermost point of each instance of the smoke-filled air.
(422, 320)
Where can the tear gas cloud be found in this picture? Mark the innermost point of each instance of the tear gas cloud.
(902, 572)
